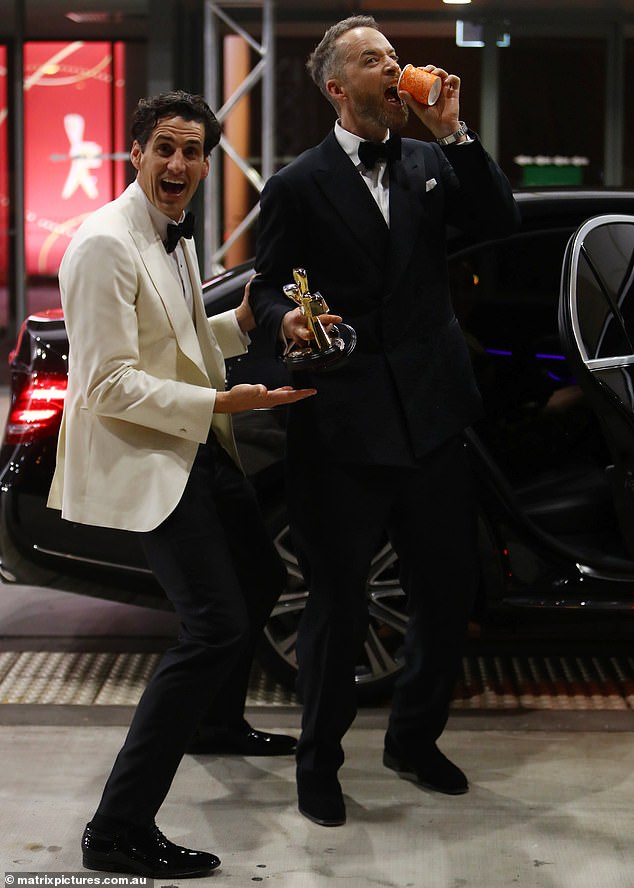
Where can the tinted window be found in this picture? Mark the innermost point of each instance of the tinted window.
(605, 298)
(506, 298)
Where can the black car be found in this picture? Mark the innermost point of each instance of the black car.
(551, 538)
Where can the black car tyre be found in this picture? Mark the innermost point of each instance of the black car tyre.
(381, 659)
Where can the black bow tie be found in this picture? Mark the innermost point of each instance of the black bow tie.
(176, 232)
(371, 152)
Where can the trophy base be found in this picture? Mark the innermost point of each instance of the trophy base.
(342, 342)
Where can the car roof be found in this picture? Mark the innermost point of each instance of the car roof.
(587, 201)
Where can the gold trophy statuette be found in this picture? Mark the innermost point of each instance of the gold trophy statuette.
(324, 351)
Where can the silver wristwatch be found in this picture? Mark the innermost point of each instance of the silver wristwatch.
(453, 137)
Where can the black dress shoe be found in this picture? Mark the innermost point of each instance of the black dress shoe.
(431, 769)
(320, 799)
(145, 852)
(243, 740)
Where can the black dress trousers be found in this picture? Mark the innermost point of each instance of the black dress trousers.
(218, 567)
(429, 513)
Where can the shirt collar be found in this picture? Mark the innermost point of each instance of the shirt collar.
(350, 142)
(159, 220)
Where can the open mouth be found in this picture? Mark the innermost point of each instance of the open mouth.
(391, 95)
(172, 187)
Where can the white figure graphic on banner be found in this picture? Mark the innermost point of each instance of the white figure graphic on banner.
(84, 156)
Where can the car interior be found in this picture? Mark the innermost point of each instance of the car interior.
(553, 450)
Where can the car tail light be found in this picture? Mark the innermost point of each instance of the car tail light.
(36, 408)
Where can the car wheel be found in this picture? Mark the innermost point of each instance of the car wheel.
(381, 659)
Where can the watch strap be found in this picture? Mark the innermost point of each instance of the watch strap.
(453, 137)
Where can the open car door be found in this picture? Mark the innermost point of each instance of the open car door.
(596, 325)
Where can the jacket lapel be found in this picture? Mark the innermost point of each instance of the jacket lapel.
(351, 200)
(169, 291)
(211, 352)
(405, 213)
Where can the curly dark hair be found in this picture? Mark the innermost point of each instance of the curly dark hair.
(326, 61)
(177, 103)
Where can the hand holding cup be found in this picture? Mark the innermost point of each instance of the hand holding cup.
(421, 84)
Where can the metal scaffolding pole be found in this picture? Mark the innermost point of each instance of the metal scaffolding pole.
(490, 94)
(215, 247)
(615, 96)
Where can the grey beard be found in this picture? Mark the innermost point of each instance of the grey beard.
(386, 119)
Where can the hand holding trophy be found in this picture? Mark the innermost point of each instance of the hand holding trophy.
(325, 350)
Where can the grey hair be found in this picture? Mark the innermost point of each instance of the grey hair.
(326, 60)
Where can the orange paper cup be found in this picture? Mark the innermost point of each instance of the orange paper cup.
(421, 84)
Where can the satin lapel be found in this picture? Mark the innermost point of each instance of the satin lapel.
(351, 200)
(405, 212)
(168, 289)
(211, 352)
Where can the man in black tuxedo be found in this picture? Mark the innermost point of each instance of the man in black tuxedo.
(380, 447)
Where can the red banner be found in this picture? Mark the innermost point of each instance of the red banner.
(70, 152)
(4, 171)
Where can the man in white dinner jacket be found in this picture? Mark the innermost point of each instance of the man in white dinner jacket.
(146, 445)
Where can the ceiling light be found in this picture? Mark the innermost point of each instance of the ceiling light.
(456, 2)
(95, 17)
(472, 34)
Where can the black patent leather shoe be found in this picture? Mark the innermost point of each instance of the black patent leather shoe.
(243, 740)
(320, 799)
(145, 852)
(431, 769)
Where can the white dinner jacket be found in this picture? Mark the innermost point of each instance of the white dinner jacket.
(142, 375)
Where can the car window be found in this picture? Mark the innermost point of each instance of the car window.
(505, 295)
(604, 306)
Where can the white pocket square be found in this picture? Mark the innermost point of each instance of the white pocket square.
(429, 184)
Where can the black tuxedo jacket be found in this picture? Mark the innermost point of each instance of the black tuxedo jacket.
(408, 386)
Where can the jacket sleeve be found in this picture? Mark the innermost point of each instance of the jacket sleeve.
(481, 200)
(226, 330)
(278, 249)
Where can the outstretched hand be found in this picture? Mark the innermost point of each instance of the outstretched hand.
(256, 397)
